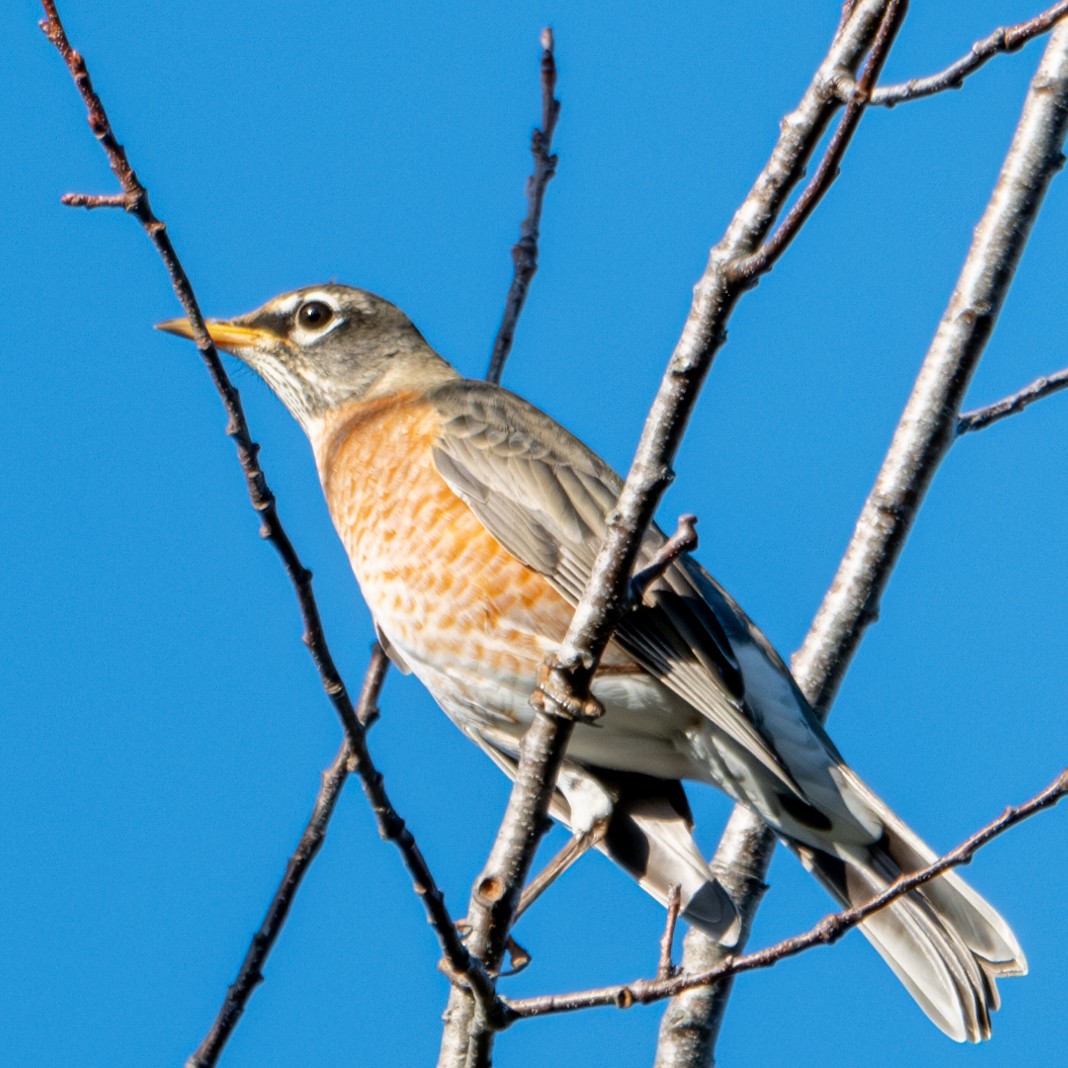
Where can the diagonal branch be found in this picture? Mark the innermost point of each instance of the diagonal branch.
(827, 171)
(562, 695)
(924, 435)
(684, 540)
(828, 931)
(311, 841)
(134, 200)
(1003, 39)
(390, 825)
(981, 418)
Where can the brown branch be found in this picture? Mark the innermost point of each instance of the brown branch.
(250, 974)
(829, 930)
(562, 695)
(134, 200)
(525, 251)
(89, 200)
(390, 825)
(684, 540)
(1003, 39)
(980, 418)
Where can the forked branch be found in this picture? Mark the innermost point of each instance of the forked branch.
(1003, 39)
(563, 692)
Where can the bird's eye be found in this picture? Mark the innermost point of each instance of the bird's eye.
(314, 314)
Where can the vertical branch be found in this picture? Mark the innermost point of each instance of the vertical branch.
(924, 434)
(525, 250)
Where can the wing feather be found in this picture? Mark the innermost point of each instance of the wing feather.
(545, 497)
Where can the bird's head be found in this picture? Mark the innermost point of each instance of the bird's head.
(324, 345)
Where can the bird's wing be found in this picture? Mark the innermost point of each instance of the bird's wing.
(545, 497)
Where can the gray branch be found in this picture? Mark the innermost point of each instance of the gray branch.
(1003, 39)
(924, 435)
(981, 418)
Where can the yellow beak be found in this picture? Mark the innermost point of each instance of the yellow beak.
(226, 335)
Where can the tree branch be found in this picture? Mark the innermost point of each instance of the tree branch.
(828, 931)
(857, 96)
(684, 540)
(666, 969)
(562, 695)
(525, 251)
(390, 825)
(924, 434)
(251, 972)
(1003, 39)
(981, 418)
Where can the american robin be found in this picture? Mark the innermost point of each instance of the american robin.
(472, 521)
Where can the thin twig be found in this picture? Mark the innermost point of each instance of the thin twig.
(666, 969)
(90, 200)
(1003, 39)
(134, 199)
(390, 825)
(827, 171)
(829, 930)
(562, 695)
(577, 847)
(980, 418)
(922, 438)
(250, 974)
(684, 540)
(525, 251)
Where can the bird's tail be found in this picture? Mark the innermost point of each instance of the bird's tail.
(942, 940)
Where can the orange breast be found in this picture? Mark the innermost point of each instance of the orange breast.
(441, 587)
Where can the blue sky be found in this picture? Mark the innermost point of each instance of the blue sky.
(163, 729)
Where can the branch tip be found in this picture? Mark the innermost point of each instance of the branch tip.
(684, 540)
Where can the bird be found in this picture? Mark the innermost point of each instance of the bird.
(472, 520)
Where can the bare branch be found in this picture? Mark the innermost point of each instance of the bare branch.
(563, 686)
(390, 825)
(924, 434)
(90, 201)
(134, 199)
(251, 972)
(829, 930)
(980, 418)
(577, 847)
(525, 251)
(1003, 39)
(666, 969)
(827, 171)
(684, 540)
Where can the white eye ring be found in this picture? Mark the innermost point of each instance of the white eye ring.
(314, 315)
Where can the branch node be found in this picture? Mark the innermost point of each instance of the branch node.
(490, 889)
(518, 958)
(843, 87)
